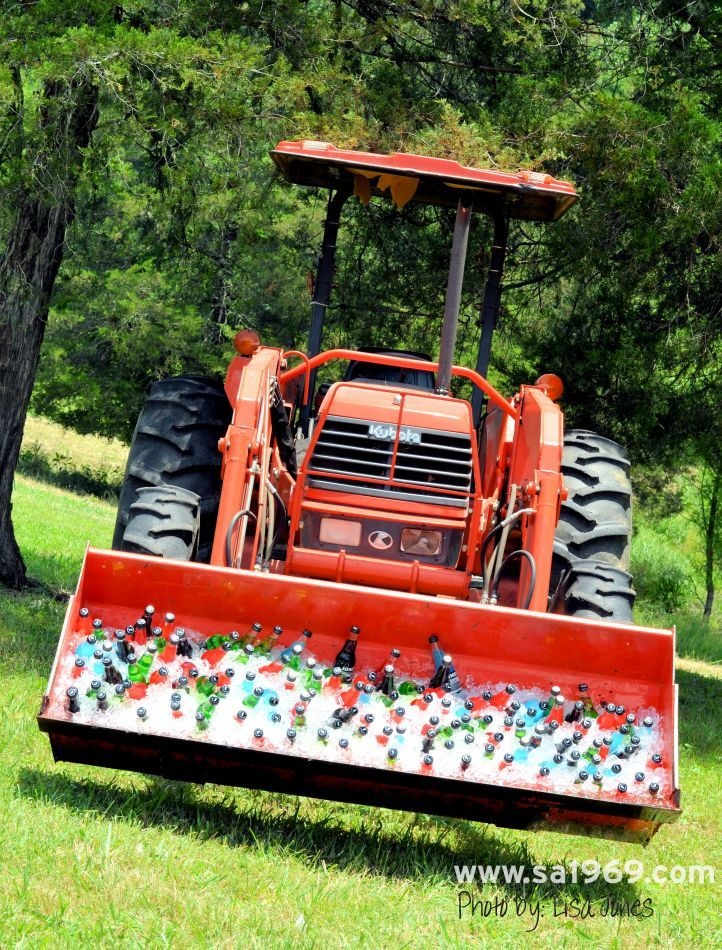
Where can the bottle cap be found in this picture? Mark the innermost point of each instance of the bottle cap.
(258, 733)
(241, 714)
(199, 716)
(468, 738)
(141, 712)
(393, 753)
(343, 743)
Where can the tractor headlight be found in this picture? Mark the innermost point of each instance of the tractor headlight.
(340, 531)
(421, 541)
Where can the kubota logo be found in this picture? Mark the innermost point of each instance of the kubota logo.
(380, 431)
(380, 540)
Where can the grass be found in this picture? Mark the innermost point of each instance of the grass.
(86, 465)
(93, 857)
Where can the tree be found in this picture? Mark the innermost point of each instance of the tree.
(66, 63)
(57, 134)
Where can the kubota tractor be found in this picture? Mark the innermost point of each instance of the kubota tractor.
(373, 590)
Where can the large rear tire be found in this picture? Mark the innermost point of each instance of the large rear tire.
(593, 536)
(175, 444)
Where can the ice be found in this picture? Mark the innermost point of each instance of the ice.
(509, 734)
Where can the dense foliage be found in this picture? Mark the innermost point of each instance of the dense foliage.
(182, 232)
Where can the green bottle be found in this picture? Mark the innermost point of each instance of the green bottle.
(135, 674)
(265, 647)
(146, 661)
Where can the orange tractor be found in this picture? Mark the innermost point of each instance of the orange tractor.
(408, 599)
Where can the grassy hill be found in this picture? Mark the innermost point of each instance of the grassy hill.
(94, 857)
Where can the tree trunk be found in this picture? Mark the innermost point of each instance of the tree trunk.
(710, 537)
(28, 268)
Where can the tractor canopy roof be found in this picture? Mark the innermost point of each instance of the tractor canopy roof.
(403, 177)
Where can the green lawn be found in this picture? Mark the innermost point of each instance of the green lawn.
(93, 857)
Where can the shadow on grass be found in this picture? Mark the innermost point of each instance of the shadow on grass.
(700, 713)
(36, 463)
(384, 843)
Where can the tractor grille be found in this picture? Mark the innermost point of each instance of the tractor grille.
(360, 456)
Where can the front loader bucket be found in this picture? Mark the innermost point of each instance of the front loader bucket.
(500, 746)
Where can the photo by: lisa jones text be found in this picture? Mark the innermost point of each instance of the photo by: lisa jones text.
(471, 905)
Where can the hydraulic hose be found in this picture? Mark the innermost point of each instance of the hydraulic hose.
(488, 573)
(280, 521)
(498, 556)
(520, 552)
(229, 534)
